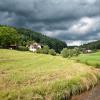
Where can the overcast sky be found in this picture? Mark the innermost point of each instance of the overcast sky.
(74, 21)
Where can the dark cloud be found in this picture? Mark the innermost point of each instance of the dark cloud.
(63, 19)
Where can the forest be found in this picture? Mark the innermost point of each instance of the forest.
(21, 37)
(92, 45)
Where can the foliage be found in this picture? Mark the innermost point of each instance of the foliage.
(22, 48)
(29, 35)
(26, 36)
(52, 52)
(70, 52)
(44, 50)
(76, 51)
(92, 45)
(39, 51)
(8, 36)
(65, 53)
(30, 42)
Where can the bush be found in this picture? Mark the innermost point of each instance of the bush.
(76, 51)
(22, 48)
(65, 53)
(0, 47)
(52, 52)
(39, 51)
(45, 50)
(70, 52)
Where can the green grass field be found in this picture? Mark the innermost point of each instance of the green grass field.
(29, 76)
(92, 59)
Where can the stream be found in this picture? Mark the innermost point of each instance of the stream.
(93, 94)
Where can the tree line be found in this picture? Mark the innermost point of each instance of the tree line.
(92, 45)
(21, 37)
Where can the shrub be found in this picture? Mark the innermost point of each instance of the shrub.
(39, 51)
(45, 50)
(52, 52)
(70, 52)
(65, 53)
(76, 51)
(22, 48)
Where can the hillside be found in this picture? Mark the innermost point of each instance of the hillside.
(27, 35)
(92, 45)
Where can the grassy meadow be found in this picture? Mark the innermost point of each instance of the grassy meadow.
(92, 59)
(30, 76)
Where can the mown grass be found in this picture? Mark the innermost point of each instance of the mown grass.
(92, 59)
(29, 76)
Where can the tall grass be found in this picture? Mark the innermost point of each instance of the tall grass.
(92, 59)
(29, 76)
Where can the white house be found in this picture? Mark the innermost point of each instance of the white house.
(34, 47)
(88, 51)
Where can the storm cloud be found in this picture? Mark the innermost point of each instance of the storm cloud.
(68, 20)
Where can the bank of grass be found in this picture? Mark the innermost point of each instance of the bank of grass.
(92, 59)
(29, 76)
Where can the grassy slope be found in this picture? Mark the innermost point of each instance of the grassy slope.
(90, 59)
(28, 76)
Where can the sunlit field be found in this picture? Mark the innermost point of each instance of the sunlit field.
(30, 76)
(92, 59)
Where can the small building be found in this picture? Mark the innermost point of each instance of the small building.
(88, 51)
(34, 47)
(13, 47)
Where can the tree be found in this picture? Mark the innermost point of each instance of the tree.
(52, 52)
(70, 52)
(76, 51)
(8, 36)
(92, 45)
(65, 53)
(29, 35)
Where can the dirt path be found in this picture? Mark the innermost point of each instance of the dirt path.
(93, 94)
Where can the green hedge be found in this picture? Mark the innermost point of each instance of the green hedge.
(22, 48)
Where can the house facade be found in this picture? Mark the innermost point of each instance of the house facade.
(34, 47)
